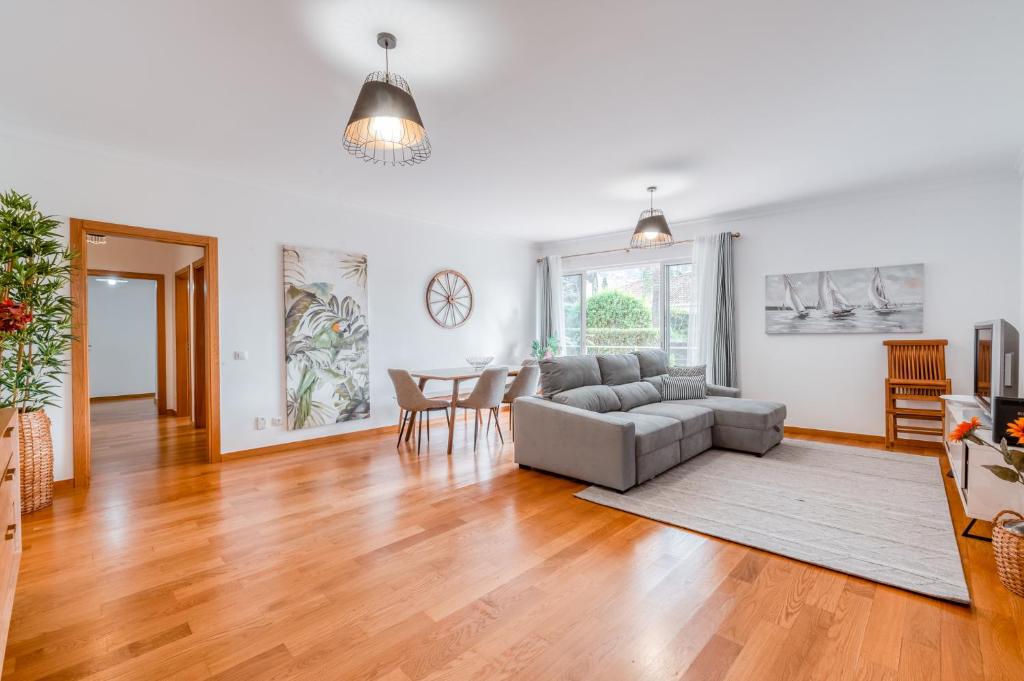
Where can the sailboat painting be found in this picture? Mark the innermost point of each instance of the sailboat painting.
(863, 300)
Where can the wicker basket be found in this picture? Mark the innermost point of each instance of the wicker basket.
(36, 448)
(1009, 550)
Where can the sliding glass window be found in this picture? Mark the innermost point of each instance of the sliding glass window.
(629, 307)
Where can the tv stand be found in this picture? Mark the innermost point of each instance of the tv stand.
(982, 494)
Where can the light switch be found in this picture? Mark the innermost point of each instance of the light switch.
(241, 354)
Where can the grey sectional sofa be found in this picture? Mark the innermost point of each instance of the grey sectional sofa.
(602, 420)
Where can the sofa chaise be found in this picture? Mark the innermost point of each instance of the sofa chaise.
(602, 419)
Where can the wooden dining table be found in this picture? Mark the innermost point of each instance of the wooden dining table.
(456, 375)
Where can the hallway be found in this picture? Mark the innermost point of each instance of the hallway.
(129, 436)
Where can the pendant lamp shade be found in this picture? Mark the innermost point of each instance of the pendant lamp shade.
(652, 228)
(385, 125)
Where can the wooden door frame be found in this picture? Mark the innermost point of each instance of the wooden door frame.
(183, 397)
(161, 329)
(80, 412)
(197, 266)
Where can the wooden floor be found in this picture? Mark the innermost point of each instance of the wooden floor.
(360, 561)
(128, 436)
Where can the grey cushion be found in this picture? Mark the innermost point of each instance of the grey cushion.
(565, 373)
(619, 369)
(742, 413)
(633, 395)
(684, 388)
(652, 432)
(599, 398)
(693, 418)
(656, 381)
(652, 362)
(698, 370)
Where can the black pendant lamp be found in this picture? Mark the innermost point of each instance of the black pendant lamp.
(385, 125)
(652, 228)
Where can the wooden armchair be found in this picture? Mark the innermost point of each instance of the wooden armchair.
(917, 380)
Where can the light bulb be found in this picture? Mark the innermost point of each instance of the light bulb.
(386, 128)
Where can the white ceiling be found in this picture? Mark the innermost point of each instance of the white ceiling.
(548, 118)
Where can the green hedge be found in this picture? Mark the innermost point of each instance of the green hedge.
(609, 341)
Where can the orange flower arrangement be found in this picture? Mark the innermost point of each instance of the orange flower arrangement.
(965, 430)
(1016, 430)
(1013, 471)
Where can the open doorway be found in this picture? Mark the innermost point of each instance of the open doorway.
(144, 382)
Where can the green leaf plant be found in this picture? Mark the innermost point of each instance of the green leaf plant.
(35, 308)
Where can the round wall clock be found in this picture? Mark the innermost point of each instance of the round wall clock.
(449, 299)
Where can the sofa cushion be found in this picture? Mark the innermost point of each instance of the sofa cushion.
(599, 398)
(635, 394)
(742, 413)
(652, 432)
(652, 362)
(565, 373)
(619, 369)
(689, 371)
(692, 418)
(684, 388)
(656, 381)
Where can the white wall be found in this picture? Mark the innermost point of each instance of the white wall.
(967, 232)
(148, 257)
(252, 222)
(122, 337)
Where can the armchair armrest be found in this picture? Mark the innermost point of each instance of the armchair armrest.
(722, 391)
(575, 442)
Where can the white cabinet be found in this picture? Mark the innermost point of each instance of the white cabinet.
(982, 494)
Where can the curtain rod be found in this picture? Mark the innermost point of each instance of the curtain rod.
(735, 235)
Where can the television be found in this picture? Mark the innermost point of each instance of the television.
(996, 357)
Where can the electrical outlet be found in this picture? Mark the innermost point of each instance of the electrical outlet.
(241, 354)
(261, 422)
(277, 421)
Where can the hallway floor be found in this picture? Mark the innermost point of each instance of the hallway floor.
(129, 436)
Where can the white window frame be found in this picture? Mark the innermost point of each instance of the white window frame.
(663, 282)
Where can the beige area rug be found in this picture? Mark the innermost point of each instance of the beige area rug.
(873, 514)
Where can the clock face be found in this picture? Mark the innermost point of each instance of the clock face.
(449, 299)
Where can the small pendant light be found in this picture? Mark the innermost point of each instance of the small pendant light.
(652, 228)
(385, 125)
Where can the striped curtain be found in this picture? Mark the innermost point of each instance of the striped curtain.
(715, 318)
(549, 304)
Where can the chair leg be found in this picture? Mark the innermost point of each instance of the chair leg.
(476, 428)
(497, 425)
(412, 423)
(401, 427)
(428, 430)
(419, 433)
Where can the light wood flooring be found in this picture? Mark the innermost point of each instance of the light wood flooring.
(360, 561)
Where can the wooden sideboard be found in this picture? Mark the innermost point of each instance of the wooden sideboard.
(10, 519)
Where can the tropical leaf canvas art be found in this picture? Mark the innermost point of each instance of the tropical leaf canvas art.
(327, 337)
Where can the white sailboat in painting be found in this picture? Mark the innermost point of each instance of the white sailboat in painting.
(831, 300)
(878, 296)
(791, 299)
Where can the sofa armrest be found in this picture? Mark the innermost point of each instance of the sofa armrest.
(575, 442)
(722, 391)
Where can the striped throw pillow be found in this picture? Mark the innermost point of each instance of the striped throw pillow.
(684, 388)
(699, 370)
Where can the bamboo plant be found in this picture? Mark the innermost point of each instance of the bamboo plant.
(35, 309)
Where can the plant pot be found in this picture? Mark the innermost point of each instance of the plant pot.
(36, 450)
(1008, 548)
